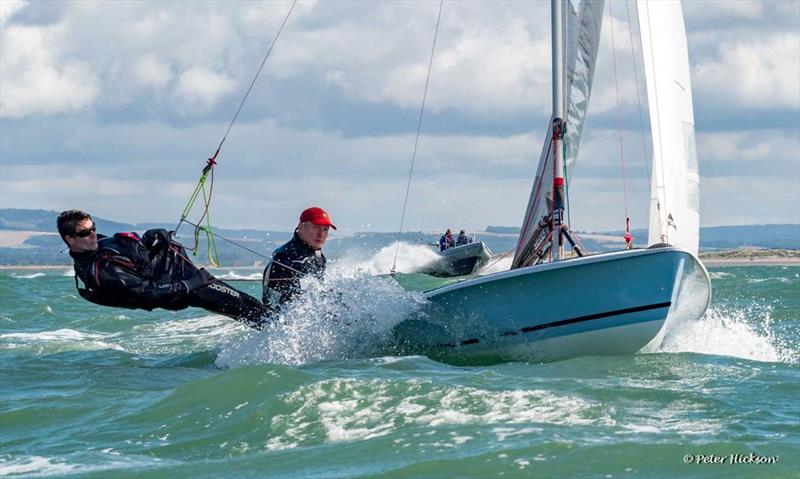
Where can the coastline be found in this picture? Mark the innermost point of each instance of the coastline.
(777, 261)
(713, 262)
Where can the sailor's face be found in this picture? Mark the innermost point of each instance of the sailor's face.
(313, 235)
(84, 239)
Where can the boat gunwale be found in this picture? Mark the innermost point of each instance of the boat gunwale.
(554, 265)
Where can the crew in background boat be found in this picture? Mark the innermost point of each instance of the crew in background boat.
(153, 271)
(462, 238)
(300, 256)
(446, 241)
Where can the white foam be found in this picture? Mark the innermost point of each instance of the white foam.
(181, 335)
(58, 340)
(349, 315)
(233, 275)
(741, 333)
(410, 259)
(497, 264)
(41, 466)
(28, 276)
(720, 274)
(354, 409)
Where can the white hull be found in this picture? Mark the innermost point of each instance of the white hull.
(460, 260)
(606, 304)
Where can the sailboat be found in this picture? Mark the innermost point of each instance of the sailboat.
(556, 301)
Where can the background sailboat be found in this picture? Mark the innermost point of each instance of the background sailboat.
(552, 304)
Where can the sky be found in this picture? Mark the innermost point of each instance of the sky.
(113, 107)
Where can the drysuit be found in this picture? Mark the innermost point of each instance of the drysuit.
(290, 262)
(127, 271)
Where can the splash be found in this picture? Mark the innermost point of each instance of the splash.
(410, 259)
(497, 263)
(350, 315)
(233, 275)
(743, 333)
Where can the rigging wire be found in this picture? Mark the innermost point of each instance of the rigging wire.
(647, 157)
(211, 162)
(628, 238)
(416, 139)
(257, 253)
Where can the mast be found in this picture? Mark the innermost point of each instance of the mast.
(559, 203)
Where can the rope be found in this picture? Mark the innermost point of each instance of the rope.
(628, 241)
(211, 162)
(268, 258)
(416, 139)
(647, 157)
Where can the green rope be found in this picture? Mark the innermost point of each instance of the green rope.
(212, 243)
(213, 254)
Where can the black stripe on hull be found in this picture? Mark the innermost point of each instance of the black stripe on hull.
(564, 322)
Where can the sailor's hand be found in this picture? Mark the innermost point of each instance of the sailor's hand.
(156, 236)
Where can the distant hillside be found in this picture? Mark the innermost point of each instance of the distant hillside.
(784, 236)
(49, 249)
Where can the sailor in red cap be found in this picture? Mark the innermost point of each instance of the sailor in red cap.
(300, 256)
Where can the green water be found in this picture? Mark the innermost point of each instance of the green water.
(101, 392)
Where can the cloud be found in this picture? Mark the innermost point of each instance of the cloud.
(8, 8)
(200, 89)
(760, 75)
(150, 71)
(139, 94)
(36, 78)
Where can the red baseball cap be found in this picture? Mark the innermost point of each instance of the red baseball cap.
(316, 215)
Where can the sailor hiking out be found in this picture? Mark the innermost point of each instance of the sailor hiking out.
(148, 272)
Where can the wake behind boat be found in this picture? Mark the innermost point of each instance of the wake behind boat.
(555, 303)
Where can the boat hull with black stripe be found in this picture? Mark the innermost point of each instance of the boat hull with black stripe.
(622, 303)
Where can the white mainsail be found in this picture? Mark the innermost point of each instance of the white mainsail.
(675, 186)
(584, 21)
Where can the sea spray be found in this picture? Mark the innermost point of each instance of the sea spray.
(410, 258)
(496, 264)
(236, 276)
(742, 333)
(349, 315)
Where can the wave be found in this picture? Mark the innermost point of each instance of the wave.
(28, 276)
(79, 463)
(234, 276)
(778, 279)
(742, 333)
(58, 341)
(720, 274)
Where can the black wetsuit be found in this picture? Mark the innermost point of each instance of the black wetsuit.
(126, 271)
(290, 262)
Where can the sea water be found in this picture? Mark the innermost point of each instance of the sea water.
(100, 392)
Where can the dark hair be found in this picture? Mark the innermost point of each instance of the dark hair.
(68, 220)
